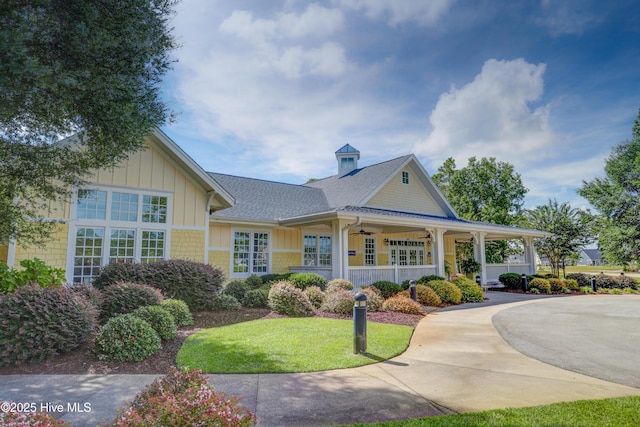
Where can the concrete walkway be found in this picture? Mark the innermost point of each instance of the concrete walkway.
(457, 362)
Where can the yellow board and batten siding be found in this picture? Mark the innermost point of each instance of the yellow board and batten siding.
(412, 197)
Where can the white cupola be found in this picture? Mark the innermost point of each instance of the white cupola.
(347, 157)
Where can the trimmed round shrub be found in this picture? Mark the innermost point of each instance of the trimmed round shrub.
(582, 279)
(237, 289)
(425, 296)
(542, 285)
(402, 304)
(183, 398)
(374, 299)
(223, 302)
(304, 280)
(605, 281)
(336, 284)
(192, 282)
(123, 298)
(387, 289)
(284, 298)
(160, 320)
(315, 295)
(556, 284)
(471, 291)
(626, 282)
(39, 323)
(426, 279)
(572, 285)
(93, 295)
(272, 278)
(339, 301)
(447, 291)
(179, 310)
(511, 280)
(254, 282)
(256, 298)
(126, 338)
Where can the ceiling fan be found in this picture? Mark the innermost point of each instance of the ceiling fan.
(362, 233)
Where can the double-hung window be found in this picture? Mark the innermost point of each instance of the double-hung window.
(113, 225)
(406, 252)
(317, 250)
(251, 253)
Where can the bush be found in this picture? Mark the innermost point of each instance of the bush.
(160, 320)
(387, 289)
(582, 279)
(556, 284)
(179, 310)
(471, 291)
(183, 398)
(254, 282)
(315, 295)
(425, 296)
(336, 284)
(39, 323)
(339, 301)
(35, 272)
(572, 285)
(426, 279)
(273, 278)
(223, 302)
(605, 281)
(126, 338)
(402, 304)
(447, 291)
(123, 298)
(192, 282)
(284, 298)
(542, 285)
(237, 289)
(256, 298)
(304, 280)
(374, 299)
(93, 295)
(626, 282)
(511, 280)
(28, 419)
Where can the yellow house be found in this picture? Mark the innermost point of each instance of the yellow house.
(386, 221)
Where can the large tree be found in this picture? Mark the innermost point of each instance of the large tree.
(617, 198)
(571, 230)
(89, 68)
(485, 190)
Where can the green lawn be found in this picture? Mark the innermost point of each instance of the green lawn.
(289, 345)
(620, 412)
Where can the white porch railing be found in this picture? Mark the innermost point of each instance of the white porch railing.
(495, 270)
(361, 276)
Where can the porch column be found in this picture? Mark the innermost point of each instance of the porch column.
(438, 250)
(529, 254)
(336, 250)
(479, 252)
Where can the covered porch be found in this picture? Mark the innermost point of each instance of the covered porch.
(370, 245)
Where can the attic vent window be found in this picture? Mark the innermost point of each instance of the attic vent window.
(405, 177)
(347, 163)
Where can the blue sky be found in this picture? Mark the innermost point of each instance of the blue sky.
(272, 89)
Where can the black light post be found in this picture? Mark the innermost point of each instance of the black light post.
(525, 286)
(360, 323)
(479, 280)
(413, 292)
(594, 287)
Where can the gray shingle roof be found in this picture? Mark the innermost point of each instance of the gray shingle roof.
(261, 200)
(354, 187)
(594, 254)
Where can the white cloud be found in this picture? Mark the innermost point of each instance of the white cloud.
(561, 18)
(399, 11)
(491, 116)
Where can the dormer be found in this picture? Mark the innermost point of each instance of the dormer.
(347, 158)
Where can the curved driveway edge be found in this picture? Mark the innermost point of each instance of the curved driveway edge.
(457, 362)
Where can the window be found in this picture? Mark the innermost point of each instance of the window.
(317, 250)
(347, 163)
(117, 226)
(405, 177)
(369, 251)
(250, 252)
(406, 252)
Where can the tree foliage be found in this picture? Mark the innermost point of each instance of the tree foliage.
(89, 68)
(485, 190)
(571, 230)
(617, 198)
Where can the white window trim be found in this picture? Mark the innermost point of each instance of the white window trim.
(108, 224)
(251, 231)
(375, 251)
(317, 235)
(421, 246)
(402, 177)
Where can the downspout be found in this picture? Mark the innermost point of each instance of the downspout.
(344, 244)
